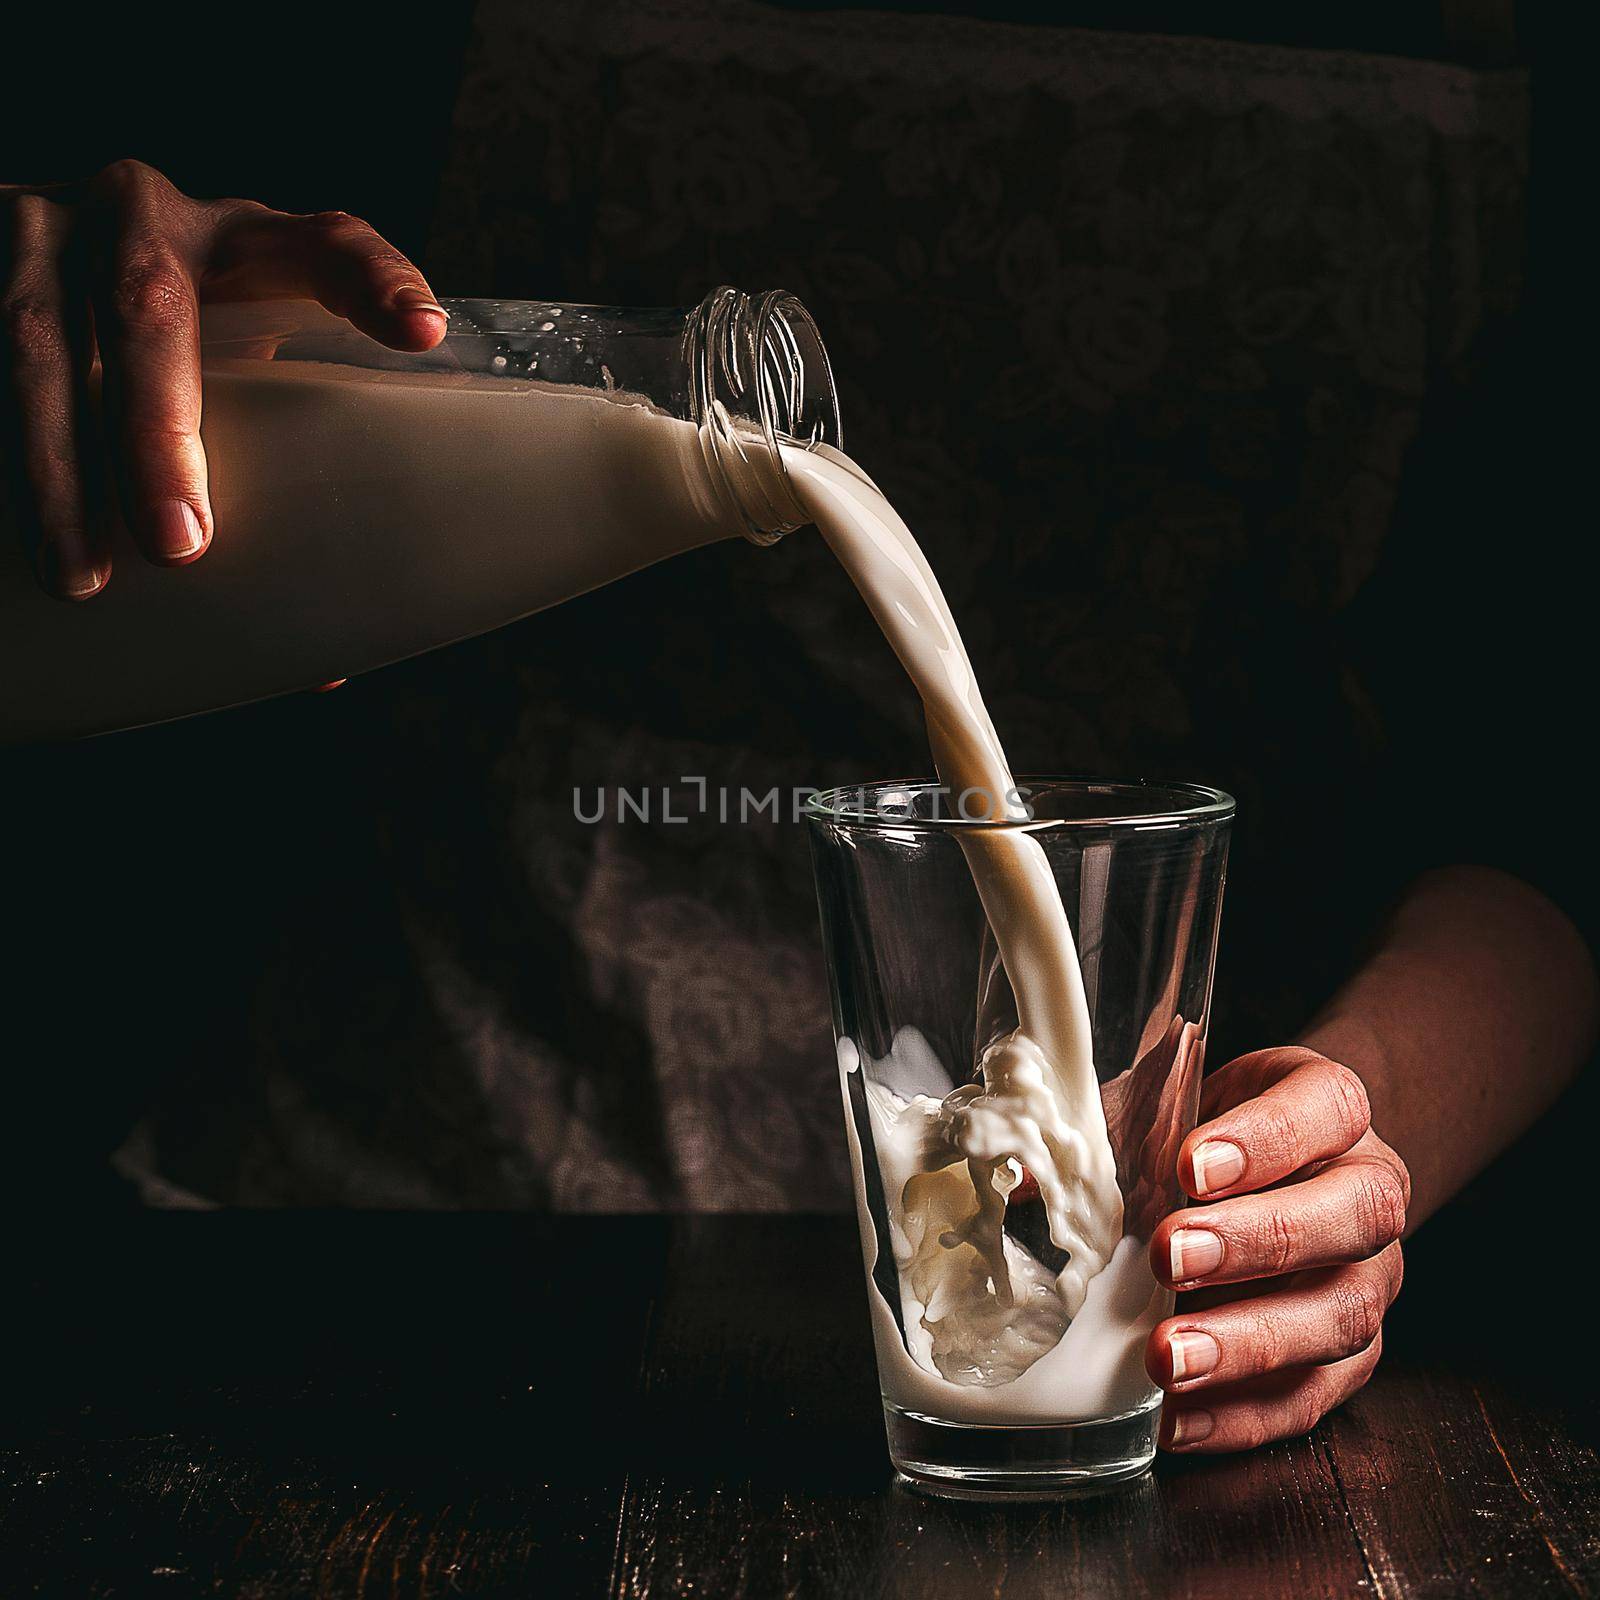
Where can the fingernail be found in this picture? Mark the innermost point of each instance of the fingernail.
(1193, 1355)
(175, 531)
(1217, 1164)
(1190, 1427)
(1195, 1252)
(412, 298)
(67, 567)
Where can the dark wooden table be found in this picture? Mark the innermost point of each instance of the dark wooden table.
(272, 1405)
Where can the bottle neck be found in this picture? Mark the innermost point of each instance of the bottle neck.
(759, 379)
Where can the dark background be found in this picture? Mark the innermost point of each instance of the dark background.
(269, 1397)
(320, 107)
(113, 951)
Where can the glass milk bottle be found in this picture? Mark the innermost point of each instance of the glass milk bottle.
(371, 504)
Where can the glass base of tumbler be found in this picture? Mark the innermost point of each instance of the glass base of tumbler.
(969, 1461)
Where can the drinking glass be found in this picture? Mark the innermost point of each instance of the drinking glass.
(1015, 1387)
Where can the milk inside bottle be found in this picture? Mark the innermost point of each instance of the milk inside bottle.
(370, 505)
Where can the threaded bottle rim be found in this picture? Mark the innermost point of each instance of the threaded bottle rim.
(759, 379)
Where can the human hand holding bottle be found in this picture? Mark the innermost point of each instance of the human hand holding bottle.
(110, 274)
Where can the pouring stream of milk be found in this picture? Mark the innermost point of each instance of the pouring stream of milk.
(981, 1316)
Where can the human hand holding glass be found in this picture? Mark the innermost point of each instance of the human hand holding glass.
(1294, 1250)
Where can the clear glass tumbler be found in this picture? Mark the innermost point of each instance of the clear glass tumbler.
(1003, 1371)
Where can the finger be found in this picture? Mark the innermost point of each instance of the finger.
(61, 191)
(47, 356)
(333, 258)
(147, 326)
(1353, 1208)
(1261, 1410)
(1318, 1317)
(1317, 1109)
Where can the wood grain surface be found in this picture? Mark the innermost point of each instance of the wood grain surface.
(270, 1405)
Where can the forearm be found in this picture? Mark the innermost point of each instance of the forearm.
(1477, 1007)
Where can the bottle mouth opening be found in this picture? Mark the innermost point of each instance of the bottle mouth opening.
(760, 379)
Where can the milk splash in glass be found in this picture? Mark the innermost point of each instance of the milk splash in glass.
(987, 1332)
